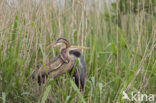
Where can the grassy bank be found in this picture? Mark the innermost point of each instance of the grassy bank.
(122, 55)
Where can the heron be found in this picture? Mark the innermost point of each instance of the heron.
(65, 62)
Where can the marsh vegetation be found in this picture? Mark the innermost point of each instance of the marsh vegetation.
(122, 54)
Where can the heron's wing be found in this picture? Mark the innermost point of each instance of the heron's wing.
(56, 67)
(65, 67)
(80, 73)
(52, 65)
(82, 70)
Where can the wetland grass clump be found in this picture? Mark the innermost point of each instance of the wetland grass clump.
(121, 58)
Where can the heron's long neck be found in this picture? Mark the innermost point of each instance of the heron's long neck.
(64, 55)
(64, 52)
(64, 46)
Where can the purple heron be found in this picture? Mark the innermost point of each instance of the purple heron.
(64, 62)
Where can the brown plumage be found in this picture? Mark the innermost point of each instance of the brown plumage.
(64, 63)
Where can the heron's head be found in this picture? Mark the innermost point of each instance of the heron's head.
(65, 45)
(60, 42)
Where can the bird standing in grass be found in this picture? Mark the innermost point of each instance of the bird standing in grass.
(65, 62)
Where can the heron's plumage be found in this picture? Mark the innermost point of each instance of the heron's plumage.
(80, 72)
(63, 63)
(55, 67)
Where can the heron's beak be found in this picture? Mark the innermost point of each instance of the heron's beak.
(52, 45)
(77, 47)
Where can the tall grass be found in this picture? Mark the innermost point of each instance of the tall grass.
(121, 57)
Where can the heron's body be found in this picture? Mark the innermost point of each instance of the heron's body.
(56, 66)
(65, 62)
(80, 72)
